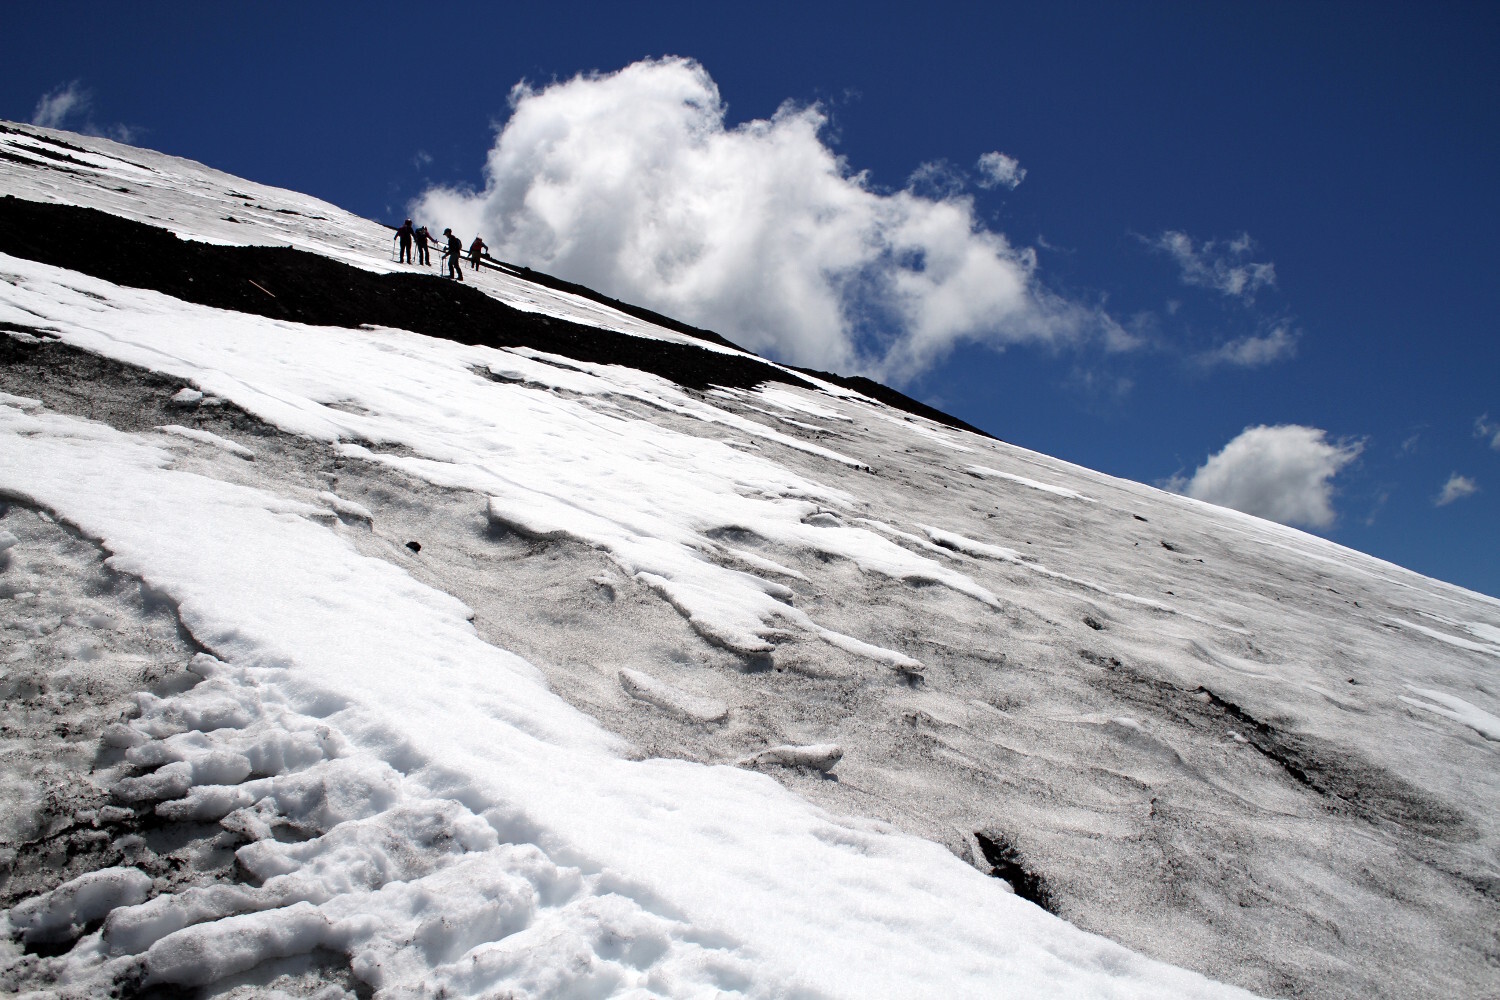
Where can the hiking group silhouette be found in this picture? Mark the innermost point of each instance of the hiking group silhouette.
(408, 237)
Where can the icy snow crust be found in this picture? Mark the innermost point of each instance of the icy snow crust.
(1224, 742)
(440, 776)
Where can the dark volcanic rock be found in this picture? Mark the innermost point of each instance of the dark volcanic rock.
(302, 287)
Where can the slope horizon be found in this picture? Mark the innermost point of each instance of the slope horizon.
(1326, 459)
(1262, 287)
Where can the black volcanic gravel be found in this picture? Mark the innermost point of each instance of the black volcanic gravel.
(289, 284)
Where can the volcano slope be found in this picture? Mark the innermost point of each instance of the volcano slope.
(527, 647)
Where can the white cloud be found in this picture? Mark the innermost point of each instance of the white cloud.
(936, 179)
(69, 106)
(1220, 266)
(60, 104)
(998, 170)
(1282, 473)
(1456, 488)
(1486, 428)
(631, 182)
(1253, 352)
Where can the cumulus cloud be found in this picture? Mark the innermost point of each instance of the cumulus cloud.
(1223, 267)
(1282, 473)
(60, 104)
(998, 170)
(1252, 352)
(632, 182)
(70, 106)
(1486, 428)
(1456, 488)
(936, 179)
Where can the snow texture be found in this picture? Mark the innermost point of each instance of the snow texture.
(820, 757)
(346, 510)
(648, 689)
(1458, 710)
(459, 669)
(980, 470)
(309, 688)
(209, 438)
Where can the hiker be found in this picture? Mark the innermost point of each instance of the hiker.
(404, 234)
(475, 249)
(423, 236)
(455, 251)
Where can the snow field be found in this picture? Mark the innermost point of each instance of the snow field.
(1221, 741)
(314, 690)
(361, 415)
(651, 497)
(792, 518)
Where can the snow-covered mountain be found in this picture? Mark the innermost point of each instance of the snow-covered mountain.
(368, 633)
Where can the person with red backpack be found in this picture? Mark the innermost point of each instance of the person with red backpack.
(475, 249)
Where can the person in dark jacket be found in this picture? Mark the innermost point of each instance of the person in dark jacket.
(477, 248)
(455, 253)
(423, 236)
(404, 235)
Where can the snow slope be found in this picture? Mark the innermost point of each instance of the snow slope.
(210, 206)
(503, 673)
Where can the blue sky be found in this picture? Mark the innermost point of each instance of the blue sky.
(1241, 215)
